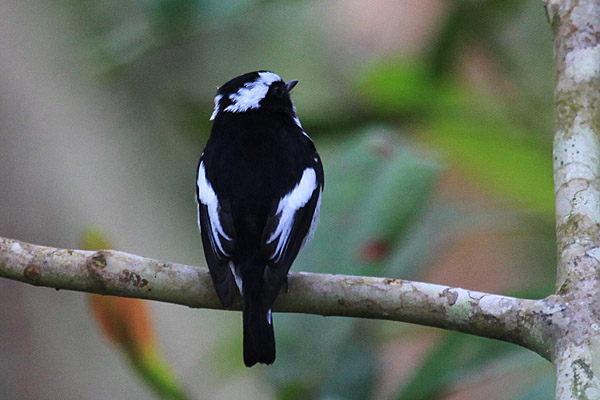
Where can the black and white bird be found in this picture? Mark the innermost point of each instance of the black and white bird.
(259, 185)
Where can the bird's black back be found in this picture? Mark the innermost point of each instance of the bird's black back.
(259, 187)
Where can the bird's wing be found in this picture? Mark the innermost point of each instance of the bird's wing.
(218, 237)
(289, 227)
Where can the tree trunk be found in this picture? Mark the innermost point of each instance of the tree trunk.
(576, 353)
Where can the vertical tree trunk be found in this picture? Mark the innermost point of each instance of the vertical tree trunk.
(576, 353)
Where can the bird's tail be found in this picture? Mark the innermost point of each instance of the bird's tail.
(259, 338)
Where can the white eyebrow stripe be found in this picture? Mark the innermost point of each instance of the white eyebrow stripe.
(249, 96)
(217, 105)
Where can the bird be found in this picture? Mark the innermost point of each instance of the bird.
(258, 188)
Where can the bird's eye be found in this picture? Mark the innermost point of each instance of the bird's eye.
(279, 89)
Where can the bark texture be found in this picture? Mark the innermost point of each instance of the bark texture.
(108, 272)
(576, 351)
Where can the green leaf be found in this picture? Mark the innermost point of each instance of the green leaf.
(158, 374)
(458, 358)
(407, 87)
(541, 389)
(498, 160)
(375, 187)
(484, 135)
(353, 375)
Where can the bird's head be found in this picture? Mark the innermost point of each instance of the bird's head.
(253, 91)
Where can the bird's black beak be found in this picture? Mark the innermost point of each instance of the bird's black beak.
(290, 85)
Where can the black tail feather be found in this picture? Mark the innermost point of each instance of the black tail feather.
(259, 338)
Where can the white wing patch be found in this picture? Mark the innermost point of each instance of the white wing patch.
(208, 197)
(252, 93)
(237, 275)
(313, 223)
(287, 207)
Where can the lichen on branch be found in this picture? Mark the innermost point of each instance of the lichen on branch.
(520, 321)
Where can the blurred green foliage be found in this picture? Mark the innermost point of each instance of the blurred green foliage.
(458, 360)
(382, 126)
(473, 129)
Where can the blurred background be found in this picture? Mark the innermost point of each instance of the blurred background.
(434, 122)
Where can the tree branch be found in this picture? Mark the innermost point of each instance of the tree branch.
(576, 352)
(108, 272)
